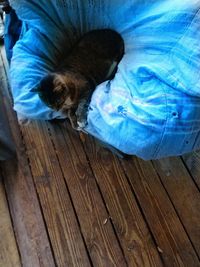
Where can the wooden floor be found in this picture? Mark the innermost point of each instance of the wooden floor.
(66, 201)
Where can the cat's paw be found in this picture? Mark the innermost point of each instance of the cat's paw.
(23, 120)
(81, 124)
(73, 119)
(81, 113)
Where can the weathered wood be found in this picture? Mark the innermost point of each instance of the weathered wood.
(55, 211)
(4, 59)
(9, 255)
(54, 197)
(136, 240)
(184, 194)
(192, 162)
(91, 214)
(4, 73)
(27, 219)
(99, 236)
(171, 238)
(26, 215)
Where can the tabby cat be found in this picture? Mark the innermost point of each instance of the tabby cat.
(92, 60)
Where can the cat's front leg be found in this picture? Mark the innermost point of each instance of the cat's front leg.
(82, 112)
(72, 118)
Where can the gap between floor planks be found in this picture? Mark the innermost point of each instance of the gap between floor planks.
(9, 255)
(30, 232)
(135, 257)
(178, 258)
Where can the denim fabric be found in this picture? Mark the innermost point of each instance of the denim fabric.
(12, 32)
(151, 107)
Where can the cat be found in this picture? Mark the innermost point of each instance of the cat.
(92, 60)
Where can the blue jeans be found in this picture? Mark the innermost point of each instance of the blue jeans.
(11, 33)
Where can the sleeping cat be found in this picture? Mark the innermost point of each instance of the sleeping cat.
(91, 61)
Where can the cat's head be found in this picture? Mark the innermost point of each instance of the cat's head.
(61, 91)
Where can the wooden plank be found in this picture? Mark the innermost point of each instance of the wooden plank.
(135, 238)
(26, 215)
(100, 238)
(31, 234)
(9, 255)
(184, 194)
(170, 236)
(192, 161)
(64, 233)
(4, 59)
(61, 253)
(4, 74)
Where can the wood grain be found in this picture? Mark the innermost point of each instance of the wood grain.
(98, 233)
(71, 203)
(55, 210)
(171, 238)
(26, 215)
(192, 161)
(54, 197)
(136, 240)
(9, 255)
(184, 195)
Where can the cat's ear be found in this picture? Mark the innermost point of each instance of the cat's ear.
(36, 89)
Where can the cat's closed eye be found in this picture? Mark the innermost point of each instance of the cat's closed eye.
(89, 63)
(60, 89)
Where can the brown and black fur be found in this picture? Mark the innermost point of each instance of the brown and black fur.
(88, 64)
